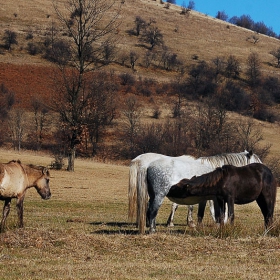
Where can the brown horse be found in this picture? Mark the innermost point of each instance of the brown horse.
(230, 184)
(15, 179)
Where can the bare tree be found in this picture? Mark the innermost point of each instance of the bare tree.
(40, 120)
(232, 68)
(132, 114)
(9, 38)
(222, 15)
(7, 99)
(276, 54)
(140, 24)
(16, 127)
(133, 57)
(101, 110)
(210, 129)
(89, 24)
(219, 67)
(109, 50)
(149, 57)
(152, 36)
(191, 5)
(249, 136)
(253, 69)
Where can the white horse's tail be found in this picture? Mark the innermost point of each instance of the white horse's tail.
(132, 189)
(142, 198)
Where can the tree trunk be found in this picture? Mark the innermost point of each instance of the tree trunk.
(71, 159)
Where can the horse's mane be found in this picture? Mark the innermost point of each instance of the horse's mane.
(236, 159)
(15, 161)
(205, 180)
(32, 166)
(39, 167)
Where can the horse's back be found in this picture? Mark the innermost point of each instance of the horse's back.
(172, 170)
(249, 181)
(11, 179)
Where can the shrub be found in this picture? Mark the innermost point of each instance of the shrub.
(126, 79)
(32, 48)
(58, 162)
(58, 52)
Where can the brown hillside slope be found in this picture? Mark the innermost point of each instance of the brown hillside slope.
(194, 34)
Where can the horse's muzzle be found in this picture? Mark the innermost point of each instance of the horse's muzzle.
(47, 196)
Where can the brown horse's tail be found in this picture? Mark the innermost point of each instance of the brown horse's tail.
(142, 198)
(132, 189)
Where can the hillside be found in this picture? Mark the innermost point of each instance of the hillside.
(190, 35)
(187, 35)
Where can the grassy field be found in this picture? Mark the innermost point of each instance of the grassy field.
(82, 232)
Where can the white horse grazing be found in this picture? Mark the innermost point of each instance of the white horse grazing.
(161, 174)
(138, 167)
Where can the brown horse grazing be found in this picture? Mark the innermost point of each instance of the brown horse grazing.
(15, 179)
(230, 184)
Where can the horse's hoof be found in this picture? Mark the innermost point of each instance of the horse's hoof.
(151, 231)
(170, 225)
(191, 224)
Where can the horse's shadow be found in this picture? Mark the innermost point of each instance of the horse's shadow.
(112, 228)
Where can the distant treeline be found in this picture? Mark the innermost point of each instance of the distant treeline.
(247, 22)
(242, 21)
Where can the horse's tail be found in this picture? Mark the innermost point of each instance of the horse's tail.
(142, 198)
(132, 191)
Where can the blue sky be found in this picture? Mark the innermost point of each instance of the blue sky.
(259, 10)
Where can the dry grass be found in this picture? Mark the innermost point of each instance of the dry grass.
(194, 34)
(83, 233)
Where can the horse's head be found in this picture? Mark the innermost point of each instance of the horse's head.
(42, 184)
(252, 158)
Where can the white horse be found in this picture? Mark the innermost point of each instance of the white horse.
(158, 176)
(139, 166)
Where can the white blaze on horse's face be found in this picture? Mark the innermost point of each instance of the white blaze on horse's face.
(42, 185)
(252, 158)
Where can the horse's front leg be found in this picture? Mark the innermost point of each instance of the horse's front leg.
(230, 204)
(212, 209)
(219, 206)
(6, 211)
(171, 216)
(200, 212)
(219, 212)
(190, 221)
(20, 211)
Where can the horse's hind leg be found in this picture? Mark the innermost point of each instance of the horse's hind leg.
(6, 211)
(171, 216)
(153, 208)
(267, 208)
(20, 211)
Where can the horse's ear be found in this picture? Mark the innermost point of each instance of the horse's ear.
(45, 171)
(249, 154)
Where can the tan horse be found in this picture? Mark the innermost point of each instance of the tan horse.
(15, 179)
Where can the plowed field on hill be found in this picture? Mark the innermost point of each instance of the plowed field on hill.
(27, 81)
